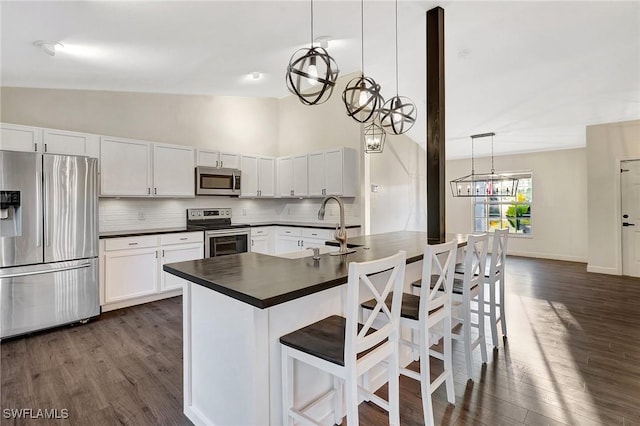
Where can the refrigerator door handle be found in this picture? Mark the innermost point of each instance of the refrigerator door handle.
(39, 209)
(47, 225)
(47, 271)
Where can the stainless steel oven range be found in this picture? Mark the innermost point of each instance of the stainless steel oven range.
(221, 236)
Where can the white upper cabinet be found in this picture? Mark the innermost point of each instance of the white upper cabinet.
(293, 176)
(71, 143)
(173, 171)
(133, 168)
(14, 137)
(333, 172)
(225, 160)
(258, 176)
(125, 167)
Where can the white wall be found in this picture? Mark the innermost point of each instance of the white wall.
(559, 208)
(400, 173)
(235, 124)
(607, 145)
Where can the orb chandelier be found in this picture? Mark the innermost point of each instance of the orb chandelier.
(374, 138)
(362, 96)
(312, 73)
(484, 184)
(398, 114)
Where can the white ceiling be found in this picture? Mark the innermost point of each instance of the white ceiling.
(536, 73)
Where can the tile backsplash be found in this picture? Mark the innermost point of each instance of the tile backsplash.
(131, 214)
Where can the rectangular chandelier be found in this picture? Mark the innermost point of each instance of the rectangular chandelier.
(484, 184)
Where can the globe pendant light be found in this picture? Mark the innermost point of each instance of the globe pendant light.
(374, 138)
(398, 114)
(362, 96)
(312, 73)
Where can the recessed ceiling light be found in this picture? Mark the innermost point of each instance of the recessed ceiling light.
(48, 46)
(256, 75)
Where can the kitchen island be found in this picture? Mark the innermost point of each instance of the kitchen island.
(235, 309)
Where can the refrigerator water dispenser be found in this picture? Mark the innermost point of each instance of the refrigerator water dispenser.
(10, 217)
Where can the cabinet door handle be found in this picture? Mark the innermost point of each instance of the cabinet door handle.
(156, 254)
(45, 147)
(221, 163)
(149, 191)
(155, 191)
(162, 253)
(301, 243)
(251, 243)
(184, 239)
(217, 162)
(133, 244)
(35, 147)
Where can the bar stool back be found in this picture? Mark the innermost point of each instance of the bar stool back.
(494, 277)
(347, 349)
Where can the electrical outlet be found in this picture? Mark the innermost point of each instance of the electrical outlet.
(140, 215)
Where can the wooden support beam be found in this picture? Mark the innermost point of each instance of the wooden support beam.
(436, 181)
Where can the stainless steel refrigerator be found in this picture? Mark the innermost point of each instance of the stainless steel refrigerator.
(48, 241)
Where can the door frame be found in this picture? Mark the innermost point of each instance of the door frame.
(618, 209)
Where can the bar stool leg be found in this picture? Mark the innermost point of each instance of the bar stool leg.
(481, 332)
(425, 387)
(466, 329)
(337, 402)
(448, 357)
(503, 319)
(394, 389)
(493, 317)
(351, 398)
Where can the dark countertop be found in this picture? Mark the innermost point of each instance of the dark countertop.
(120, 234)
(319, 225)
(264, 281)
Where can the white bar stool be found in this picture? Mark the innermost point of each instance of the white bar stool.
(347, 349)
(466, 290)
(421, 313)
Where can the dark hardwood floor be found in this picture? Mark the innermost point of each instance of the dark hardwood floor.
(572, 357)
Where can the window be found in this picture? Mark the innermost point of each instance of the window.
(500, 212)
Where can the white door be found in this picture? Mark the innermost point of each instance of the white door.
(249, 179)
(267, 176)
(130, 273)
(125, 167)
(178, 253)
(14, 137)
(630, 194)
(300, 176)
(173, 171)
(229, 161)
(316, 174)
(71, 143)
(208, 158)
(260, 244)
(333, 171)
(285, 177)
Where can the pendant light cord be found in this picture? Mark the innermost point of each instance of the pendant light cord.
(311, 23)
(493, 170)
(362, 36)
(397, 48)
(472, 163)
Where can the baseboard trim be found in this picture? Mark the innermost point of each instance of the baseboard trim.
(551, 256)
(603, 270)
(139, 300)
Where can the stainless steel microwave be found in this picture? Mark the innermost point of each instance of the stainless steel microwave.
(215, 181)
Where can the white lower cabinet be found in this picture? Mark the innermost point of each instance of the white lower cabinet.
(262, 240)
(130, 273)
(131, 267)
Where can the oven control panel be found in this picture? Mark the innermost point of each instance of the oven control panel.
(208, 214)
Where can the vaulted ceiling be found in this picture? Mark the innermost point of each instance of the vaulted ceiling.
(536, 73)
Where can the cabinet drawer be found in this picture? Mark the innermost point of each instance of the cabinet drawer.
(326, 234)
(181, 238)
(289, 231)
(259, 231)
(130, 242)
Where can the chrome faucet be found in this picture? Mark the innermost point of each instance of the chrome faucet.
(341, 233)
